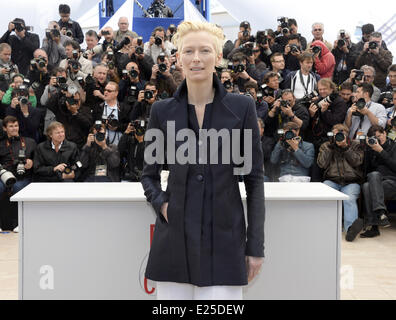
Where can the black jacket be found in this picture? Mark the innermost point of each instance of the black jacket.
(22, 50)
(383, 162)
(348, 59)
(132, 154)
(75, 28)
(76, 126)
(9, 154)
(46, 159)
(95, 155)
(124, 114)
(30, 126)
(231, 242)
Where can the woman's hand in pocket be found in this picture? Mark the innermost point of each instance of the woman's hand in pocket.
(164, 211)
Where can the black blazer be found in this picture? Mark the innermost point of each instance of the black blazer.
(231, 241)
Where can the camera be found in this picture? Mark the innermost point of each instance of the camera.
(294, 48)
(18, 26)
(360, 104)
(99, 136)
(112, 120)
(148, 95)
(262, 37)
(23, 100)
(20, 163)
(122, 44)
(158, 41)
(373, 45)
(139, 126)
(162, 67)
(316, 49)
(329, 99)
(74, 65)
(339, 137)
(284, 103)
(38, 62)
(340, 43)
(139, 50)
(247, 48)
(238, 68)
(69, 33)
(105, 33)
(284, 24)
(7, 177)
(267, 91)
(284, 136)
(372, 141)
(359, 74)
(133, 73)
(386, 99)
(245, 26)
(227, 84)
(74, 167)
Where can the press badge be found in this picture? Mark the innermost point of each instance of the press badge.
(101, 170)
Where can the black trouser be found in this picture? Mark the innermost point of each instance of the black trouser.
(375, 191)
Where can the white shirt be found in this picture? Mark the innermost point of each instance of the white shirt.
(113, 137)
(299, 90)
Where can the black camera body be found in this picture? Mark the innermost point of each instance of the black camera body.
(74, 167)
(284, 136)
(20, 163)
(372, 141)
(158, 41)
(360, 104)
(227, 84)
(339, 137)
(238, 68)
(132, 94)
(317, 49)
(262, 37)
(294, 48)
(140, 127)
(359, 74)
(386, 99)
(373, 45)
(148, 95)
(340, 43)
(284, 24)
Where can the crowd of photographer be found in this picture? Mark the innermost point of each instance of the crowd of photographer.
(330, 112)
(325, 111)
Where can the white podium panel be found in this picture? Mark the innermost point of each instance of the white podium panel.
(91, 241)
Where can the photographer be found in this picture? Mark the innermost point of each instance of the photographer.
(100, 162)
(75, 117)
(328, 110)
(130, 85)
(294, 155)
(69, 27)
(270, 88)
(286, 28)
(364, 113)
(146, 98)
(302, 82)
(7, 68)
(341, 160)
(23, 44)
(108, 59)
(244, 34)
(158, 9)
(28, 117)
(346, 93)
(251, 89)
(278, 66)
(324, 61)
(16, 153)
(381, 180)
(285, 110)
(75, 64)
(266, 42)
(366, 74)
(242, 72)
(391, 117)
(160, 74)
(95, 85)
(228, 82)
(291, 53)
(109, 44)
(344, 52)
(131, 148)
(391, 86)
(17, 81)
(55, 159)
(115, 115)
(91, 40)
(123, 31)
(53, 44)
(374, 55)
(38, 74)
(317, 32)
(157, 44)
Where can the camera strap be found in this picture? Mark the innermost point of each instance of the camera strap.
(9, 147)
(306, 86)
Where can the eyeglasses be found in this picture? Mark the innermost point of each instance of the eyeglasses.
(108, 90)
(317, 30)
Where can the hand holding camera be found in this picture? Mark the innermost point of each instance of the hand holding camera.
(373, 143)
(313, 109)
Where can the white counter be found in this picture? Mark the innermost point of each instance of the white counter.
(91, 241)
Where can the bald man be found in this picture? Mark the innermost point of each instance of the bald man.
(123, 31)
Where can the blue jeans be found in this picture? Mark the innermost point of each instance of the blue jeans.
(18, 186)
(350, 206)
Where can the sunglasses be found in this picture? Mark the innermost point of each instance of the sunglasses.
(317, 29)
(108, 90)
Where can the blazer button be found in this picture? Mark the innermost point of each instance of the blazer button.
(200, 177)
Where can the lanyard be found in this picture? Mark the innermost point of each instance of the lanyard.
(9, 147)
(303, 83)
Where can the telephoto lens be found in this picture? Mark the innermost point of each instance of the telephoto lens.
(7, 177)
(148, 95)
(289, 135)
(158, 41)
(227, 84)
(316, 49)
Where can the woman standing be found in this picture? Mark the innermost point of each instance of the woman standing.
(201, 248)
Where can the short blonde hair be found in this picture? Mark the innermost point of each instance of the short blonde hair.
(195, 26)
(51, 127)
